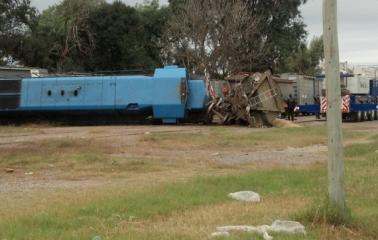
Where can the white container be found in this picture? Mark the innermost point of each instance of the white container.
(358, 85)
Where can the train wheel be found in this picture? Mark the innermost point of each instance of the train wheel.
(370, 115)
(376, 115)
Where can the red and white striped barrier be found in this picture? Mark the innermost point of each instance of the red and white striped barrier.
(345, 104)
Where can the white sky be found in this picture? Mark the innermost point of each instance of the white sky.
(358, 26)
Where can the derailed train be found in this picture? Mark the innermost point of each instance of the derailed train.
(168, 96)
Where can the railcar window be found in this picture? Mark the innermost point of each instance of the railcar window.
(49, 93)
(62, 93)
(76, 93)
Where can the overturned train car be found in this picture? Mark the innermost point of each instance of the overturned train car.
(168, 96)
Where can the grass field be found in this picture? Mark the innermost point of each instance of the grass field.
(171, 197)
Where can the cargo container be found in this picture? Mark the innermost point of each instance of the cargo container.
(304, 88)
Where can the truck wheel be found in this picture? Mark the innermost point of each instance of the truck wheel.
(358, 116)
(364, 116)
(370, 115)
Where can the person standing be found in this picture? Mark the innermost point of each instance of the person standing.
(290, 108)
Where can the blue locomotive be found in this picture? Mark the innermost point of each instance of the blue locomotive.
(169, 95)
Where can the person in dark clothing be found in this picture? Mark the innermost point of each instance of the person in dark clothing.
(290, 107)
(317, 101)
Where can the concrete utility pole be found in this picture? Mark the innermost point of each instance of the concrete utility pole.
(334, 121)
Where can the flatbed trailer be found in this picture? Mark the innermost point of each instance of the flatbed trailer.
(352, 109)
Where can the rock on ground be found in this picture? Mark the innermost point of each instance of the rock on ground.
(220, 234)
(278, 226)
(246, 196)
(289, 227)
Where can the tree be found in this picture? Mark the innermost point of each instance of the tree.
(154, 18)
(62, 37)
(73, 15)
(118, 32)
(17, 18)
(274, 28)
(283, 30)
(306, 59)
(214, 38)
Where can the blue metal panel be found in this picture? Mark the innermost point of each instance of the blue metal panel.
(169, 113)
(109, 91)
(309, 108)
(197, 95)
(69, 92)
(362, 107)
(169, 93)
(132, 91)
(49, 94)
(31, 95)
(24, 98)
(93, 91)
(171, 71)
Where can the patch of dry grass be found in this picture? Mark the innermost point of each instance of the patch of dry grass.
(233, 138)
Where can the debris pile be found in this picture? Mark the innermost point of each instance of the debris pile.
(255, 100)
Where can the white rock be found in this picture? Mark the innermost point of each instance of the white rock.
(279, 226)
(220, 234)
(241, 228)
(262, 229)
(246, 196)
(266, 236)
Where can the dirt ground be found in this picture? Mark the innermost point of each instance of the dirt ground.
(29, 185)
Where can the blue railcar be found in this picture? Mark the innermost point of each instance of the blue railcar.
(169, 95)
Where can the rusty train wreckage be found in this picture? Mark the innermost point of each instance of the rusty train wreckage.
(255, 100)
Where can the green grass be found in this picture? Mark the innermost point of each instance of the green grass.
(82, 222)
(96, 218)
(144, 214)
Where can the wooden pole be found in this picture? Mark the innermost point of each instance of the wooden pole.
(334, 121)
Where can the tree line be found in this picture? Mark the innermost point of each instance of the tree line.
(218, 37)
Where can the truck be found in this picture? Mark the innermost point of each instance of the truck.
(359, 98)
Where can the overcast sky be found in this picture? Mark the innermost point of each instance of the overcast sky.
(358, 26)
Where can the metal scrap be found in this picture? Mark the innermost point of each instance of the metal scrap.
(255, 100)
